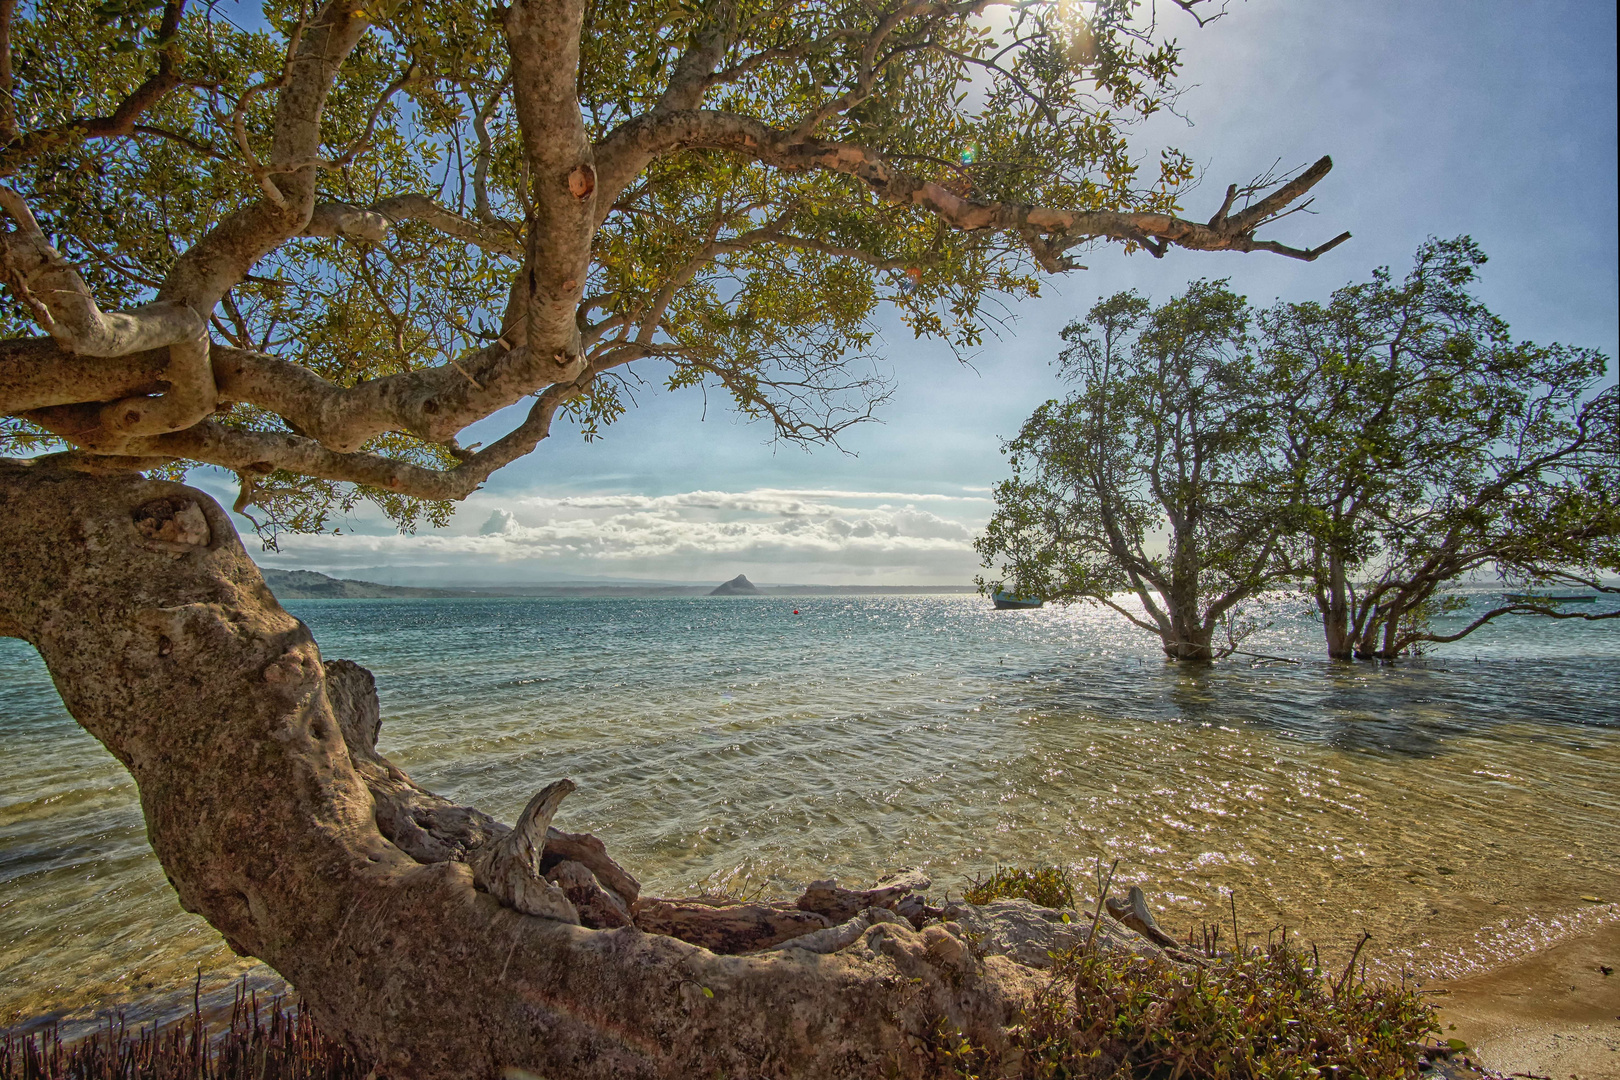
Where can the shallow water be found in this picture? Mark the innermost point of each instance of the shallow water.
(1457, 808)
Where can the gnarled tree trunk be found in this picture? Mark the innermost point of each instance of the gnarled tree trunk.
(277, 822)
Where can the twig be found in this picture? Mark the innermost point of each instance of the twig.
(1102, 894)
(1351, 966)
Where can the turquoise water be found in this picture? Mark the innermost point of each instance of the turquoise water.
(1457, 807)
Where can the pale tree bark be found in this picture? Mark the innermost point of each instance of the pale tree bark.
(1334, 605)
(271, 813)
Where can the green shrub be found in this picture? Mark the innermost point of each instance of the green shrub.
(1048, 886)
(1259, 1014)
(1267, 1015)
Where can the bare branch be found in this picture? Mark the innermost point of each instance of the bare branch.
(259, 452)
(695, 67)
(228, 251)
(481, 118)
(62, 302)
(238, 117)
(1203, 20)
(867, 70)
(373, 224)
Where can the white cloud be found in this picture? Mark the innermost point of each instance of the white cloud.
(499, 521)
(783, 535)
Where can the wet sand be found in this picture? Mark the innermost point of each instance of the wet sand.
(1552, 1014)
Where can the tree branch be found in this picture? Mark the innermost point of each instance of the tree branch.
(60, 300)
(8, 104)
(224, 256)
(374, 223)
(543, 38)
(1049, 232)
(22, 147)
(259, 452)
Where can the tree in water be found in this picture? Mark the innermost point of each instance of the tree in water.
(1155, 480)
(313, 250)
(1432, 447)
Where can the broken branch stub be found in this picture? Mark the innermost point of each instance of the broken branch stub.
(176, 526)
(591, 853)
(1134, 913)
(509, 869)
(599, 908)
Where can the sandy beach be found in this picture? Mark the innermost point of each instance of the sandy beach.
(1553, 1014)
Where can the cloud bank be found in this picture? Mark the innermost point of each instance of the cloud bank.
(808, 536)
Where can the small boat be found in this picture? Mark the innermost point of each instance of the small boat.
(1006, 601)
(1549, 598)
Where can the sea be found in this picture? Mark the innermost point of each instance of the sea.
(1461, 807)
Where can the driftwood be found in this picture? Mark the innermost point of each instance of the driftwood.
(725, 928)
(845, 934)
(840, 905)
(427, 827)
(591, 853)
(430, 828)
(599, 908)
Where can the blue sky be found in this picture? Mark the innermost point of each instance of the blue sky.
(1487, 118)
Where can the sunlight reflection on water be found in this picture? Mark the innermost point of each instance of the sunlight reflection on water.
(1457, 808)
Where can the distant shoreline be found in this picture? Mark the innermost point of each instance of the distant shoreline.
(309, 585)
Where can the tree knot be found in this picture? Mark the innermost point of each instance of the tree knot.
(290, 668)
(173, 524)
(582, 181)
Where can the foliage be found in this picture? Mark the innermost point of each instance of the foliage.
(1048, 886)
(1268, 1014)
(1375, 449)
(1154, 479)
(1433, 446)
(762, 282)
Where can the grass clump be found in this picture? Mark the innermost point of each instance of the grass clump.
(1271, 1013)
(1048, 886)
(274, 1043)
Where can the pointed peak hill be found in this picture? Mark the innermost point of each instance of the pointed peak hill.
(737, 586)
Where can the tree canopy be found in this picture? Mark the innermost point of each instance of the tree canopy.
(1375, 450)
(1154, 479)
(1431, 446)
(312, 244)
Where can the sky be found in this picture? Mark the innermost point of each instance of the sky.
(1446, 117)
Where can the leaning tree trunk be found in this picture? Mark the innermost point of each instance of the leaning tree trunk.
(391, 911)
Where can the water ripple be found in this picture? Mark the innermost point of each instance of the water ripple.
(1457, 807)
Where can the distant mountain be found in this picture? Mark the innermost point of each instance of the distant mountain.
(737, 586)
(309, 585)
